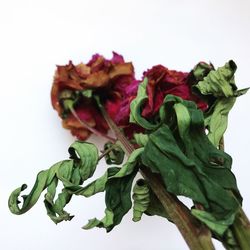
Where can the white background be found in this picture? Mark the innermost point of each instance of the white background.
(37, 35)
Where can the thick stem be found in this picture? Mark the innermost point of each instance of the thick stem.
(241, 230)
(229, 241)
(195, 234)
(241, 227)
(127, 146)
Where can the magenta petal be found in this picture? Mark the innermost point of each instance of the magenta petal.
(93, 59)
(116, 59)
(113, 106)
(129, 93)
(85, 113)
(131, 89)
(122, 116)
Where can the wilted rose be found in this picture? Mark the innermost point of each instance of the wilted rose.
(161, 82)
(107, 78)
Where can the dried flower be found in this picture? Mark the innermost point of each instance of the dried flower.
(107, 78)
(161, 82)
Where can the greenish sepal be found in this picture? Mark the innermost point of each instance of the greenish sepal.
(88, 93)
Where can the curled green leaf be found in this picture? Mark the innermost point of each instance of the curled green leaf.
(216, 123)
(94, 187)
(141, 199)
(220, 82)
(145, 201)
(115, 153)
(106, 222)
(84, 158)
(219, 86)
(201, 70)
(43, 180)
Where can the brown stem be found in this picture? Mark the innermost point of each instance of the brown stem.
(241, 227)
(106, 152)
(127, 146)
(195, 234)
(241, 230)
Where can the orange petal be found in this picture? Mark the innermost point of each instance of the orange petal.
(67, 77)
(97, 64)
(96, 80)
(83, 70)
(121, 69)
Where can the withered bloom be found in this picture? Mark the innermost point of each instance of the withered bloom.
(107, 78)
(161, 82)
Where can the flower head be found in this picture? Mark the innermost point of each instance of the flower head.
(107, 78)
(114, 82)
(161, 82)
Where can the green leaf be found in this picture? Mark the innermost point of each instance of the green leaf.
(145, 201)
(72, 173)
(119, 186)
(219, 227)
(201, 70)
(94, 187)
(240, 92)
(220, 82)
(217, 121)
(118, 198)
(85, 155)
(130, 166)
(221, 86)
(118, 190)
(115, 155)
(183, 119)
(43, 180)
(106, 222)
(141, 197)
(84, 158)
(188, 162)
